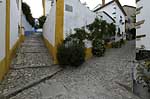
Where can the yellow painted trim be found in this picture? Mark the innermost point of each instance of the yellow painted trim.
(22, 38)
(14, 48)
(7, 34)
(3, 68)
(59, 30)
(51, 49)
(9, 53)
(88, 53)
(44, 12)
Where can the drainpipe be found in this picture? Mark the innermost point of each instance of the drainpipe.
(103, 2)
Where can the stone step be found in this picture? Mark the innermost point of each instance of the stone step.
(19, 80)
(33, 59)
(33, 49)
(32, 45)
(35, 36)
(31, 38)
(33, 41)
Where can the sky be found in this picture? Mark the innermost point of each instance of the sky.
(37, 8)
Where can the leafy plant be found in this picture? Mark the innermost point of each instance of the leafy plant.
(116, 44)
(71, 53)
(42, 20)
(147, 65)
(101, 29)
(142, 74)
(97, 28)
(122, 42)
(111, 30)
(79, 34)
(98, 48)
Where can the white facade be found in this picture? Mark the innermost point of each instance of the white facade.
(130, 11)
(25, 24)
(49, 26)
(76, 15)
(143, 29)
(14, 22)
(104, 16)
(115, 12)
(2, 28)
(79, 16)
(48, 4)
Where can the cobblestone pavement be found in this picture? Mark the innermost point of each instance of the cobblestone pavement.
(31, 63)
(108, 77)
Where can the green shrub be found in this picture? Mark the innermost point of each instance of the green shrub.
(42, 20)
(71, 53)
(98, 48)
(116, 44)
(122, 41)
(143, 77)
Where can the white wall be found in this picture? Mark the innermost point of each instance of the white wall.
(26, 24)
(110, 10)
(2, 28)
(48, 6)
(49, 25)
(14, 22)
(145, 28)
(80, 16)
(20, 12)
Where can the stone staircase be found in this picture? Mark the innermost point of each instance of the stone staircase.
(31, 65)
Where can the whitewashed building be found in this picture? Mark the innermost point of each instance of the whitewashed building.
(130, 19)
(47, 4)
(105, 16)
(63, 17)
(11, 33)
(116, 11)
(2, 37)
(142, 25)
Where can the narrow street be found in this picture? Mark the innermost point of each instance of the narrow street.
(108, 77)
(31, 64)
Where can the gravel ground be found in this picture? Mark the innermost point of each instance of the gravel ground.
(30, 64)
(107, 77)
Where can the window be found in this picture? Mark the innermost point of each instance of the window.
(114, 7)
(114, 13)
(68, 8)
(1, 1)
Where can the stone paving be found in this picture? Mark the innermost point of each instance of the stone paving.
(31, 63)
(108, 77)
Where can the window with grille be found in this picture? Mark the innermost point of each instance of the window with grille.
(68, 8)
